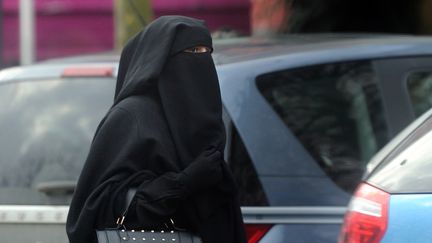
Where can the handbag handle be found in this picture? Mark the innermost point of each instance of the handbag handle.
(129, 197)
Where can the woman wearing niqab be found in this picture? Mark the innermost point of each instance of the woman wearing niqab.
(165, 137)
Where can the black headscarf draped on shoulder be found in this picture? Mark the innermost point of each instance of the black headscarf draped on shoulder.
(167, 112)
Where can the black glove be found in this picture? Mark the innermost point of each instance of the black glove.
(204, 172)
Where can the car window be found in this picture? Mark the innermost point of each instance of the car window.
(46, 129)
(336, 112)
(407, 169)
(420, 90)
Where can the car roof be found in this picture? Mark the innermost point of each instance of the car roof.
(240, 49)
(245, 49)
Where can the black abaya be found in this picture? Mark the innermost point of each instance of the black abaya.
(164, 135)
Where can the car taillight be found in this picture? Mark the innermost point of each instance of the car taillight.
(366, 219)
(88, 72)
(255, 232)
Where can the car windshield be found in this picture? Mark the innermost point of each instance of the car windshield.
(407, 168)
(46, 129)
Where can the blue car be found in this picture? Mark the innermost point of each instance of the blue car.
(394, 202)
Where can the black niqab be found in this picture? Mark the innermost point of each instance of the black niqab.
(166, 119)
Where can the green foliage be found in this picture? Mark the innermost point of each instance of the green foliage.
(130, 17)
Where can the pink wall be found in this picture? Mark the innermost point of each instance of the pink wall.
(61, 6)
(194, 4)
(72, 27)
(216, 13)
(63, 27)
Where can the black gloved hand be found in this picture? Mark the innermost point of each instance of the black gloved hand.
(204, 172)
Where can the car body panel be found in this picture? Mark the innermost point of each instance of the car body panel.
(48, 71)
(301, 233)
(409, 219)
(33, 233)
(30, 223)
(297, 50)
(303, 191)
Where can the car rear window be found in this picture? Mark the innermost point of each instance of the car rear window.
(335, 111)
(46, 129)
(407, 169)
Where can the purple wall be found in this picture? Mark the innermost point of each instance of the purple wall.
(72, 27)
(216, 13)
(63, 27)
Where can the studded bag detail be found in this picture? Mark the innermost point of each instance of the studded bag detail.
(151, 236)
(121, 235)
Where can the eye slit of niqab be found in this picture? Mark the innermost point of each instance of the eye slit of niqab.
(198, 49)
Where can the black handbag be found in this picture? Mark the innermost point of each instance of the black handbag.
(121, 235)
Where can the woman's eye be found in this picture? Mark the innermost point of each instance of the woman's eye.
(198, 49)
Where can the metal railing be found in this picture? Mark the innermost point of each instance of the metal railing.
(251, 215)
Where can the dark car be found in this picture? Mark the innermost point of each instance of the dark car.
(394, 201)
(303, 115)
